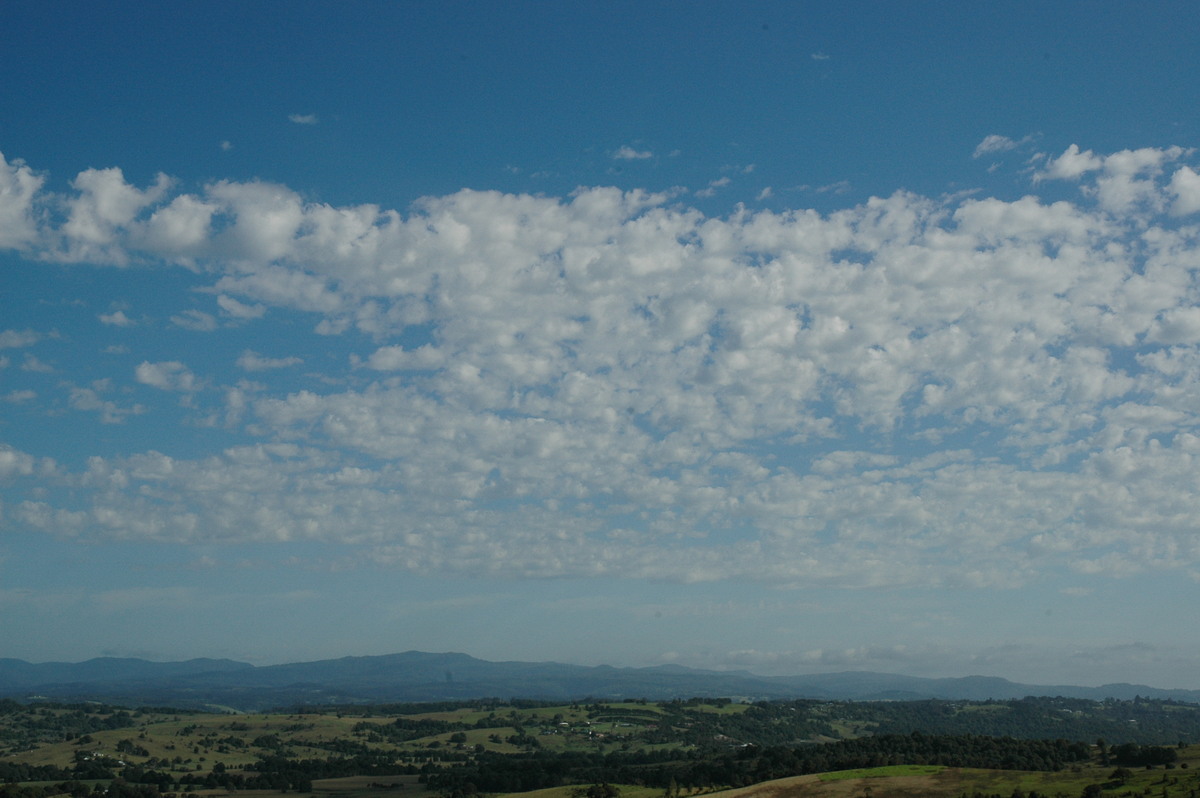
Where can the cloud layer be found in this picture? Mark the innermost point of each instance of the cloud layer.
(912, 391)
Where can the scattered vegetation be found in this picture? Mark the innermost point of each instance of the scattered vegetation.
(1032, 748)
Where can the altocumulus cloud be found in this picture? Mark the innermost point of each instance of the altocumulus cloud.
(910, 391)
(627, 153)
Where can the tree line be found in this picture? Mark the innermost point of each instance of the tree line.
(751, 764)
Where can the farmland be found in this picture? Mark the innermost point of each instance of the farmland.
(677, 748)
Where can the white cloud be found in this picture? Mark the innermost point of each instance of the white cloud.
(1071, 165)
(18, 339)
(167, 375)
(303, 119)
(182, 228)
(840, 187)
(571, 386)
(116, 319)
(996, 143)
(104, 206)
(1130, 177)
(712, 187)
(1185, 185)
(397, 358)
(265, 216)
(90, 399)
(34, 365)
(819, 57)
(1127, 178)
(195, 320)
(14, 462)
(18, 188)
(1177, 326)
(252, 361)
(627, 153)
(240, 310)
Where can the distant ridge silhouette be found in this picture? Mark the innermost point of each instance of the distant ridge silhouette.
(416, 676)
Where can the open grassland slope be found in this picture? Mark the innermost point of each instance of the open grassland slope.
(1093, 780)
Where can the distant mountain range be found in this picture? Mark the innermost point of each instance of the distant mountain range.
(416, 676)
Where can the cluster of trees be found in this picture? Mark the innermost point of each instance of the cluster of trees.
(127, 746)
(764, 723)
(373, 764)
(13, 772)
(1143, 721)
(280, 780)
(692, 723)
(404, 729)
(76, 789)
(751, 764)
(917, 748)
(1018, 793)
(1142, 755)
(23, 727)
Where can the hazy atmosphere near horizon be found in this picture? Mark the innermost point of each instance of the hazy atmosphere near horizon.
(780, 336)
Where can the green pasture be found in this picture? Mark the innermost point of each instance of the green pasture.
(882, 772)
(933, 781)
(627, 791)
(200, 741)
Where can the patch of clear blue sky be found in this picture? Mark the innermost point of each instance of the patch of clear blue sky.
(63, 304)
(425, 98)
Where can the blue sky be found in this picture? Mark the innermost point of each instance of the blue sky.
(778, 336)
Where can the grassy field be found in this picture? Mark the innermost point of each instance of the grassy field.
(926, 781)
(933, 781)
(887, 772)
(200, 741)
(194, 743)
